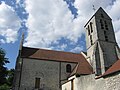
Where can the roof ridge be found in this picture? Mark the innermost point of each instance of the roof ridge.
(60, 56)
(51, 50)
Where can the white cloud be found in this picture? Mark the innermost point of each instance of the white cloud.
(9, 24)
(112, 7)
(50, 20)
(17, 1)
(9, 34)
(118, 37)
(114, 12)
(77, 49)
(60, 47)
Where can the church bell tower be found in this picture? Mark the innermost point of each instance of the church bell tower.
(100, 42)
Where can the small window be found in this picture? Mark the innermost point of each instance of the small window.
(102, 25)
(102, 16)
(68, 68)
(106, 38)
(91, 26)
(105, 22)
(105, 33)
(100, 20)
(37, 83)
(106, 26)
(91, 41)
(88, 30)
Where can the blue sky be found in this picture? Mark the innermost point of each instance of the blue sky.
(50, 24)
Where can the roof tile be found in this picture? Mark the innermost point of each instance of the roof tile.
(83, 66)
(114, 68)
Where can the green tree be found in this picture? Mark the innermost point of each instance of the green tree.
(10, 77)
(4, 87)
(3, 69)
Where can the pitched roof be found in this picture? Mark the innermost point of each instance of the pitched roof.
(100, 9)
(114, 68)
(34, 53)
(81, 69)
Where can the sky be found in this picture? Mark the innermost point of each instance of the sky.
(50, 24)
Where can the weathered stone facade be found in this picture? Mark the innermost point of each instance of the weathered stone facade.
(95, 70)
(51, 74)
(113, 82)
(102, 53)
(88, 82)
(100, 41)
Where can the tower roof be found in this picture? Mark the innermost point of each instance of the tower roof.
(98, 13)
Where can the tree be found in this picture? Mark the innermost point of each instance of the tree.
(3, 69)
(10, 77)
(4, 87)
(6, 76)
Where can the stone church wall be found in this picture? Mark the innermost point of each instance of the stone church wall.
(45, 70)
(51, 73)
(65, 75)
(113, 82)
(88, 82)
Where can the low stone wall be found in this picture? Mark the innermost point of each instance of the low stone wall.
(113, 82)
(88, 82)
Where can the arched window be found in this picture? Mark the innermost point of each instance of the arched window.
(91, 26)
(68, 68)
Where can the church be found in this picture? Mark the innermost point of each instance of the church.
(96, 69)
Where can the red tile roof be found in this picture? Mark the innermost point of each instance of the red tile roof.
(83, 66)
(82, 69)
(114, 68)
